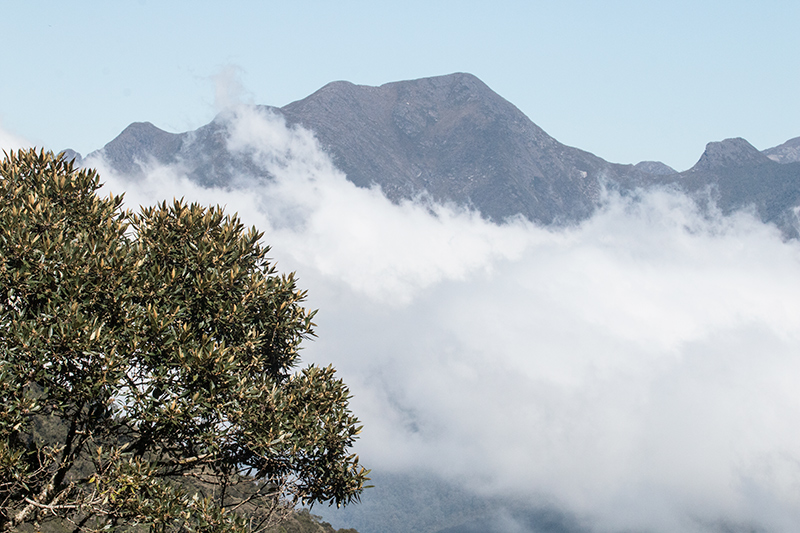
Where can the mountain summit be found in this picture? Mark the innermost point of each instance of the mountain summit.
(730, 153)
(456, 139)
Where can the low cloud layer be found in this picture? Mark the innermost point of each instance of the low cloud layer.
(639, 370)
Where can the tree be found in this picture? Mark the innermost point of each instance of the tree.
(148, 367)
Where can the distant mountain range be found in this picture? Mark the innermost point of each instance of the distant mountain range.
(459, 141)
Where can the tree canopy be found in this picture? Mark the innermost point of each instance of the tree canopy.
(148, 367)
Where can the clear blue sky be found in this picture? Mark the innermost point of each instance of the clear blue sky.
(626, 80)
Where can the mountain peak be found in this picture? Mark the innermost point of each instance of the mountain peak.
(137, 143)
(729, 153)
(656, 168)
(454, 138)
(788, 152)
(447, 91)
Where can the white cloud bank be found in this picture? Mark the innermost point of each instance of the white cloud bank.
(641, 370)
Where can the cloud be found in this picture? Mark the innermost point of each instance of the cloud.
(638, 370)
(228, 88)
(9, 141)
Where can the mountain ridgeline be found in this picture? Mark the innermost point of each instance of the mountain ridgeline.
(454, 139)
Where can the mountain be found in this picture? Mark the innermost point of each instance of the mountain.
(450, 136)
(735, 175)
(141, 140)
(455, 139)
(458, 140)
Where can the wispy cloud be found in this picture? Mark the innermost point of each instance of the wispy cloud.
(229, 91)
(639, 370)
(10, 141)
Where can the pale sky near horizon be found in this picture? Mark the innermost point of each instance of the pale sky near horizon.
(626, 80)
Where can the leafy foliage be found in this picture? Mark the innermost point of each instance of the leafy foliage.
(148, 367)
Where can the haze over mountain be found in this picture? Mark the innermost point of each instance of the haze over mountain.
(452, 138)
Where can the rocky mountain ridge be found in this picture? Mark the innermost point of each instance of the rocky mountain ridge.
(455, 139)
